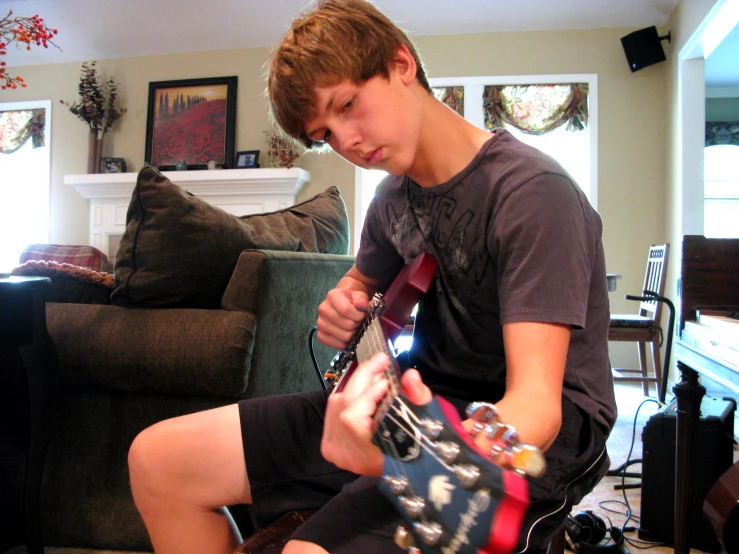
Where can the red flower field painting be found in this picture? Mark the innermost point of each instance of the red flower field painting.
(190, 125)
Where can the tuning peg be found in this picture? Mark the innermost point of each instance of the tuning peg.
(433, 427)
(404, 538)
(525, 460)
(502, 435)
(467, 474)
(484, 412)
(397, 485)
(429, 533)
(447, 450)
(413, 505)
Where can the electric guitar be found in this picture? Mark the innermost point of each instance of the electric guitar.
(452, 496)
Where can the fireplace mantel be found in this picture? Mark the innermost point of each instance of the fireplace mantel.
(237, 191)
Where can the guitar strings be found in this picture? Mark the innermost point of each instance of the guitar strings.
(378, 343)
(375, 341)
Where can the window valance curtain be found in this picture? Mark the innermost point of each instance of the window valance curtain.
(537, 109)
(452, 97)
(722, 132)
(17, 126)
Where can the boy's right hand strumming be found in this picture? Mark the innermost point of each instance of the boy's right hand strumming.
(339, 315)
(344, 308)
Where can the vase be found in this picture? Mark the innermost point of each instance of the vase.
(92, 150)
(99, 156)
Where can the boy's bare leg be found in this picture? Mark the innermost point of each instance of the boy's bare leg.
(183, 471)
(302, 547)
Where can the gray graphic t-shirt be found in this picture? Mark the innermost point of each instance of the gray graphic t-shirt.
(516, 240)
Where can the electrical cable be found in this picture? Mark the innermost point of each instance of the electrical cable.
(313, 357)
(635, 543)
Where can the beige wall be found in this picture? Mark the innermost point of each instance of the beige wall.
(684, 21)
(69, 216)
(632, 124)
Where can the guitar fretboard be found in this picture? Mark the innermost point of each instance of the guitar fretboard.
(374, 341)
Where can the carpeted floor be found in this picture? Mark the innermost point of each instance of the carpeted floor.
(605, 502)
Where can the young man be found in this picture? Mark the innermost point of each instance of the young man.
(517, 315)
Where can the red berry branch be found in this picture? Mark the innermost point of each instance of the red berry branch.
(23, 32)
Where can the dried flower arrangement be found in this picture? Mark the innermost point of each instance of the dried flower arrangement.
(282, 151)
(97, 108)
(97, 103)
(21, 30)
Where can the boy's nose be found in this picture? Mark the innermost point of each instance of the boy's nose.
(350, 141)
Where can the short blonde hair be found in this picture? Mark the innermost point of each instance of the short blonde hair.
(337, 40)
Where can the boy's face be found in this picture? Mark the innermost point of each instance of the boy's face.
(374, 125)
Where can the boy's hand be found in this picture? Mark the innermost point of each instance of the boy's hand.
(348, 430)
(339, 315)
(348, 427)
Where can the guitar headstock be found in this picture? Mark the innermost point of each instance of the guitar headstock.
(452, 496)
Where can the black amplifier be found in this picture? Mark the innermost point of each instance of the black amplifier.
(714, 455)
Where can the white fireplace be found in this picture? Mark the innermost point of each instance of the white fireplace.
(237, 191)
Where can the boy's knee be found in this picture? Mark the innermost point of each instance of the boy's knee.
(147, 457)
(302, 547)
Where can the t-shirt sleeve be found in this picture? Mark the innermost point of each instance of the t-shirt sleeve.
(544, 247)
(377, 258)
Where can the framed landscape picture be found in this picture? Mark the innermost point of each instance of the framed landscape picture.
(192, 120)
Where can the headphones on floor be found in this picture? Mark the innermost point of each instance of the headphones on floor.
(586, 533)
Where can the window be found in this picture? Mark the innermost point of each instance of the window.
(721, 191)
(576, 151)
(24, 192)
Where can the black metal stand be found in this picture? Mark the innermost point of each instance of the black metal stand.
(689, 393)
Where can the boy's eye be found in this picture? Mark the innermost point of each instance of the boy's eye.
(326, 136)
(349, 103)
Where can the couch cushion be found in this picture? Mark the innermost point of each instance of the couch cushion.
(178, 250)
(183, 352)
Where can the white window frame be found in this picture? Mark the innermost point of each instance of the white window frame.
(45, 197)
(474, 113)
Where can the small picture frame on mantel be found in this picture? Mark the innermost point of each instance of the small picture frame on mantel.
(247, 159)
(113, 165)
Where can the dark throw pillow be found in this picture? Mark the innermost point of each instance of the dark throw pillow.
(178, 250)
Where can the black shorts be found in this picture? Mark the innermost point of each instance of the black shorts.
(282, 435)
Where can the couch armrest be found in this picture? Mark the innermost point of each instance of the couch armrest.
(283, 290)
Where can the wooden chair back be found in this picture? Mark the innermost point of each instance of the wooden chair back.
(654, 280)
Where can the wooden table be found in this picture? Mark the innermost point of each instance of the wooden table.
(29, 391)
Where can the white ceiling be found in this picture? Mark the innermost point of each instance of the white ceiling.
(101, 29)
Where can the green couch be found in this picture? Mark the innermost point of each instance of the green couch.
(161, 348)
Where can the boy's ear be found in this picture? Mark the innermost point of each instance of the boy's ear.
(404, 65)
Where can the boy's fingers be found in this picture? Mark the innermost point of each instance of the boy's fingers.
(366, 374)
(414, 389)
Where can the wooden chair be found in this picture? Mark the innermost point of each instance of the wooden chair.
(644, 327)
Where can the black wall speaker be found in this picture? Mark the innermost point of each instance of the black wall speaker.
(644, 48)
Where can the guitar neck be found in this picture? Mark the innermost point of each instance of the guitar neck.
(373, 342)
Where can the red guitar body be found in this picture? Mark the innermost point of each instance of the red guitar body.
(395, 310)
